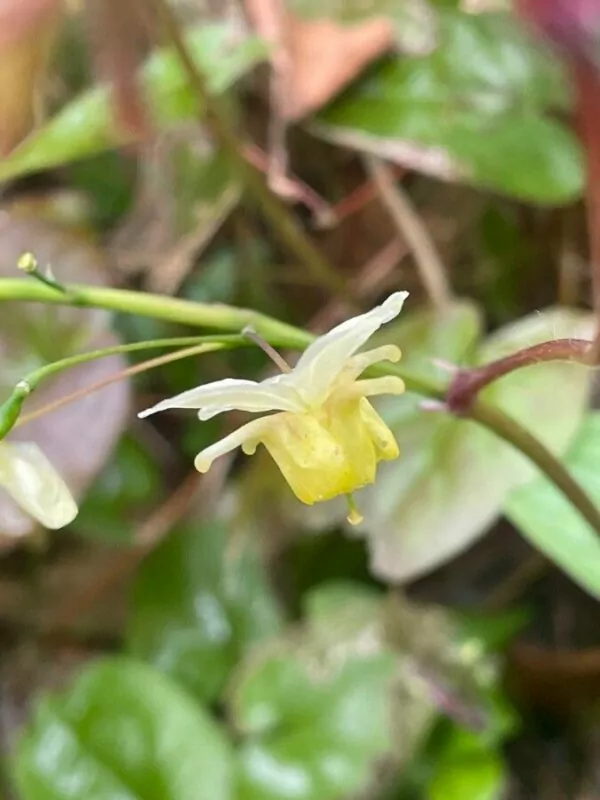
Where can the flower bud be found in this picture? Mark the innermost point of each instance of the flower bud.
(10, 410)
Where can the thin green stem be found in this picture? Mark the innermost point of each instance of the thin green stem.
(169, 309)
(208, 343)
(187, 312)
(121, 375)
(519, 437)
(10, 410)
(229, 318)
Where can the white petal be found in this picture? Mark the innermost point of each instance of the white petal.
(34, 484)
(321, 363)
(274, 394)
(248, 435)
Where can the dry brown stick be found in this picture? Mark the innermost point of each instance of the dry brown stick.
(587, 81)
(414, 232)
(372, 277)
(512, 589)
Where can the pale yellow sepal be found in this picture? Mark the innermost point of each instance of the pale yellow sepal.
(31, 480)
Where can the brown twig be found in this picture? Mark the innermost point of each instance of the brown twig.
(359, 198)
(373, 277)
(587, 82)
(467, 383)
(512, 589)
(412, 229)
(283, 223)
(291, 186)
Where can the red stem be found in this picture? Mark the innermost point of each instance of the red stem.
(467, 383)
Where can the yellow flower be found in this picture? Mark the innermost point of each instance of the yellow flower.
(31, 480)
(327, 438)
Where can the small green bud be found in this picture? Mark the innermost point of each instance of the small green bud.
(10, 410)
(28, 263)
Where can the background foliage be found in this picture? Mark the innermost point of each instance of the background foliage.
(211, 638)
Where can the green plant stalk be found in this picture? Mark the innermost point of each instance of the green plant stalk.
(169, 309)
(217, 316)
(10, 410)
(206, 343)
(280, 334)
(520, 438)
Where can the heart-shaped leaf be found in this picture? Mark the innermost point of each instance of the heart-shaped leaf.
(358, 684)
(486, 118)
(453, 476)
(303, 709)
(123, 731)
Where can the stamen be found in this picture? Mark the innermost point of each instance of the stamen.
(354, 516)
(275, 357)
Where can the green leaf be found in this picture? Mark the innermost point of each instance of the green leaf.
(85, 126)
(415, 21)
(123, 732)
(424, 336)
(477, 774)
(324, 754)
(453, 476)
(493, 631)
(485, 119)
(552, 524)
(358, 685)
(200, 601)
(458, 762)
(315, 718)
